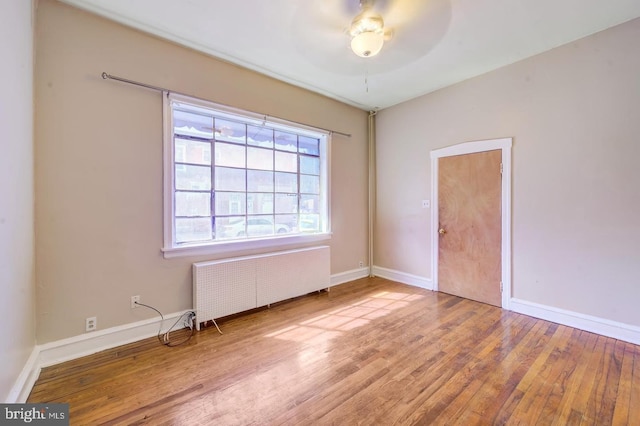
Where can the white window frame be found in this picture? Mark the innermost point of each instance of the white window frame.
(171, 248)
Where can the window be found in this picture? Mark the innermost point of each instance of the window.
(234, 180)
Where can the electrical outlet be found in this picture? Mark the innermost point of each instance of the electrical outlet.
(361, 264)
(134, 301)
(91, 324)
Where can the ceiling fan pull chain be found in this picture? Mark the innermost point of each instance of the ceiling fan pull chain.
(366, 80)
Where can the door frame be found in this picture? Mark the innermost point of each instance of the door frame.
(503, 144)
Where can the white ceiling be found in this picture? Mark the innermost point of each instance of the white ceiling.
(436, 43)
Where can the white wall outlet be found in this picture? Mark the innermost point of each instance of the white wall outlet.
(426, 204)
(91, 324)
(134, 301)
(361, 264)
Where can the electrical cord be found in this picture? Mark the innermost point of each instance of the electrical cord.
(164, 338)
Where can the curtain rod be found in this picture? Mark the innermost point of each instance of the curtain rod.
(106, 76)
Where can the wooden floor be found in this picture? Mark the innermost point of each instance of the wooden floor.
(371, 352)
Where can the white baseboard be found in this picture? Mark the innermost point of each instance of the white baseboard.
(604, 327)
(352, 275)
(90, 343)
(86, 344)
(27, 378)
(403, 277)
(78, 346)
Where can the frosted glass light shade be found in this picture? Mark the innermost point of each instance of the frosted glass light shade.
(367, 44)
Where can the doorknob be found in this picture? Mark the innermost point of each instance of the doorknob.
(441, 231)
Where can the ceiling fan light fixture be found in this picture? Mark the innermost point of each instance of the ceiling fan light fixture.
(367, 44)
(367, 32)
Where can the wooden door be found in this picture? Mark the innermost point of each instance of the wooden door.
(469, 212)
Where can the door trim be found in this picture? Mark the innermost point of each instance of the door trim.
(503, 144)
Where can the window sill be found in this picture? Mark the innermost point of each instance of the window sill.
(232, 247)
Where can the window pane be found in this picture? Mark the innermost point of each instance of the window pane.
(193, 177)
(309, 223)
(260, 203)
(234, 178)
(193, 229)
(286, 223)
(259, 225)
(230, 155)
(309, 145)
(230, 179)
(310, 184)
(286, 162)
(286, 182)
(230, 227)
(230, 131)
(193, 203)
(286, 141)
(259, 181)
(192, 124)
(230, 203)
(309, 204)
(309, 165)
(189, 151)
(258, 158)
(260, 136)
(286, 203)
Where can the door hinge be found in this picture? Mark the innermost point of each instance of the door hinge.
(501, 288)
(501, 168)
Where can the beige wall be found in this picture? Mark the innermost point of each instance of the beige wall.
(574, 114)
(17, 303)
(99, 166)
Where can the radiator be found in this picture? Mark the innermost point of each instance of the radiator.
(229, 286)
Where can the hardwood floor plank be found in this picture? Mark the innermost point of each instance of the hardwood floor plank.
(369, 352)
(589, 400)
(565, 409)
(544, 387)
(457, 374)
(565, 363)
(405, 377)
(439, 349)
(606, 391)
(623, 398)
(634, 404)
(490, 402)
(478, 383)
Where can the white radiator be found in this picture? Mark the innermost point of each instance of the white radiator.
(229, 286)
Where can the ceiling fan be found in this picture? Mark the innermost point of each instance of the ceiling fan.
(413, 25)
(367, 31)
(367, 36)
